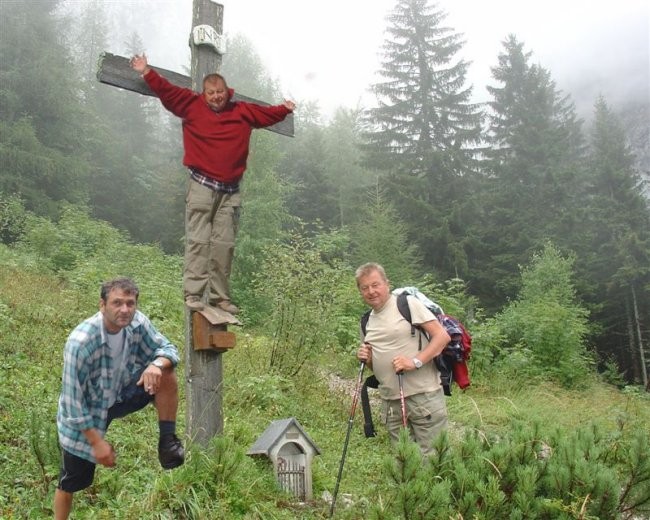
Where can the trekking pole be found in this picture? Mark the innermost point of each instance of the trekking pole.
(401, 398)
(355, 399)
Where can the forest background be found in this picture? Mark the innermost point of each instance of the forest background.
(528, 223)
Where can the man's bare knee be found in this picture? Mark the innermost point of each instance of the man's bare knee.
(168, 380)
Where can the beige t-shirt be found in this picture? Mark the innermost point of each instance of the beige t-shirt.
(390, 335)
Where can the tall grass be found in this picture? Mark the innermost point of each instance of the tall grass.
(39, 308)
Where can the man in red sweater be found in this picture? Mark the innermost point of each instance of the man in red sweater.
(216, 137)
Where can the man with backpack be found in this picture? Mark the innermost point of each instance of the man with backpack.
(409, 382)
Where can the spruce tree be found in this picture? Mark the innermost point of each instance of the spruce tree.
(614, 244)
(343, 165)
(117, 135)
(311, 195)
(40, 117)
(380, 236)
(532, 172)
(424, 132)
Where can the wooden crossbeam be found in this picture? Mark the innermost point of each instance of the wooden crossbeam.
(115, 70)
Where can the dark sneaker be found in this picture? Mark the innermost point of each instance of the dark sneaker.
(170, 451)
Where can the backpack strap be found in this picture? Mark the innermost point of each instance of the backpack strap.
(368, 426)
(441, 365)
(364, 322)
(405, 311)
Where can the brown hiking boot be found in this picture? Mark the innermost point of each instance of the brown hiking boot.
(228, 306)
(194, 303)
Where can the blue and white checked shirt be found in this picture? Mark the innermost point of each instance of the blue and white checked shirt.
(88, 375)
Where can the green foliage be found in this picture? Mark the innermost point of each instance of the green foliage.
(64, 244)
(381, 236)
(12, 218)
(545, 329)
(44, 444)
(313, 196)
(263, 221)
(416, 495)
(266, 391)
(40, 126)
(611, 373)
(489, 465)
(613, 248)
(532, 183)
(344, 168)
(300, 291)
(423, 133)
(635, 456)
(526, 473)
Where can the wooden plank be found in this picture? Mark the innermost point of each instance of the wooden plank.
(115, 70)
(222, 340)
(210, 333)
(217, 316)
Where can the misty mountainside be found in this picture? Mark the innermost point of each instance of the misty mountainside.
(442, 190)
(522, 215)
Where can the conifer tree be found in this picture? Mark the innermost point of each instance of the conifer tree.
(380, 236)
(40, 128)
(532, 167)
(343, 165)
(424, 132)
(614, 244)
(311, 195)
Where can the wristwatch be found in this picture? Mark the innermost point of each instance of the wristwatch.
(158, 363)
(417, 362)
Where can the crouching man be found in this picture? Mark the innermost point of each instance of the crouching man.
(114, 364)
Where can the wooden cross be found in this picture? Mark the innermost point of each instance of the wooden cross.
(203, 365)
(115, 70)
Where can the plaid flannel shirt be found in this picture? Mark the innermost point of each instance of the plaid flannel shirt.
(213, 184)
(88, 376)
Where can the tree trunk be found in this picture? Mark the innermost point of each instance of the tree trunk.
(637, 322)
(203, 368)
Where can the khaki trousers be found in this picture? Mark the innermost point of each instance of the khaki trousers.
(211, 225)
(426, 417)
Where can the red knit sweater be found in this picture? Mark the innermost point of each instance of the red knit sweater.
(216, 143)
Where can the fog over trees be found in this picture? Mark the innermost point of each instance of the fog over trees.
(424, 179)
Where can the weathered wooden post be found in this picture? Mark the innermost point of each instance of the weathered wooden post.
(203, 368)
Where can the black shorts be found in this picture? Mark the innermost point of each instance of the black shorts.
(78, 473)
(132, 398)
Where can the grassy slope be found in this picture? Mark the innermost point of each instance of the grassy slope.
(37, 313)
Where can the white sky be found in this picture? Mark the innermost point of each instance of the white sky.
(328, 51)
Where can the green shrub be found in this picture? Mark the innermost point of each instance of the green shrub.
(12, 218)
(527, 473)
(544, 329)
(63, 245)
(300, 291)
